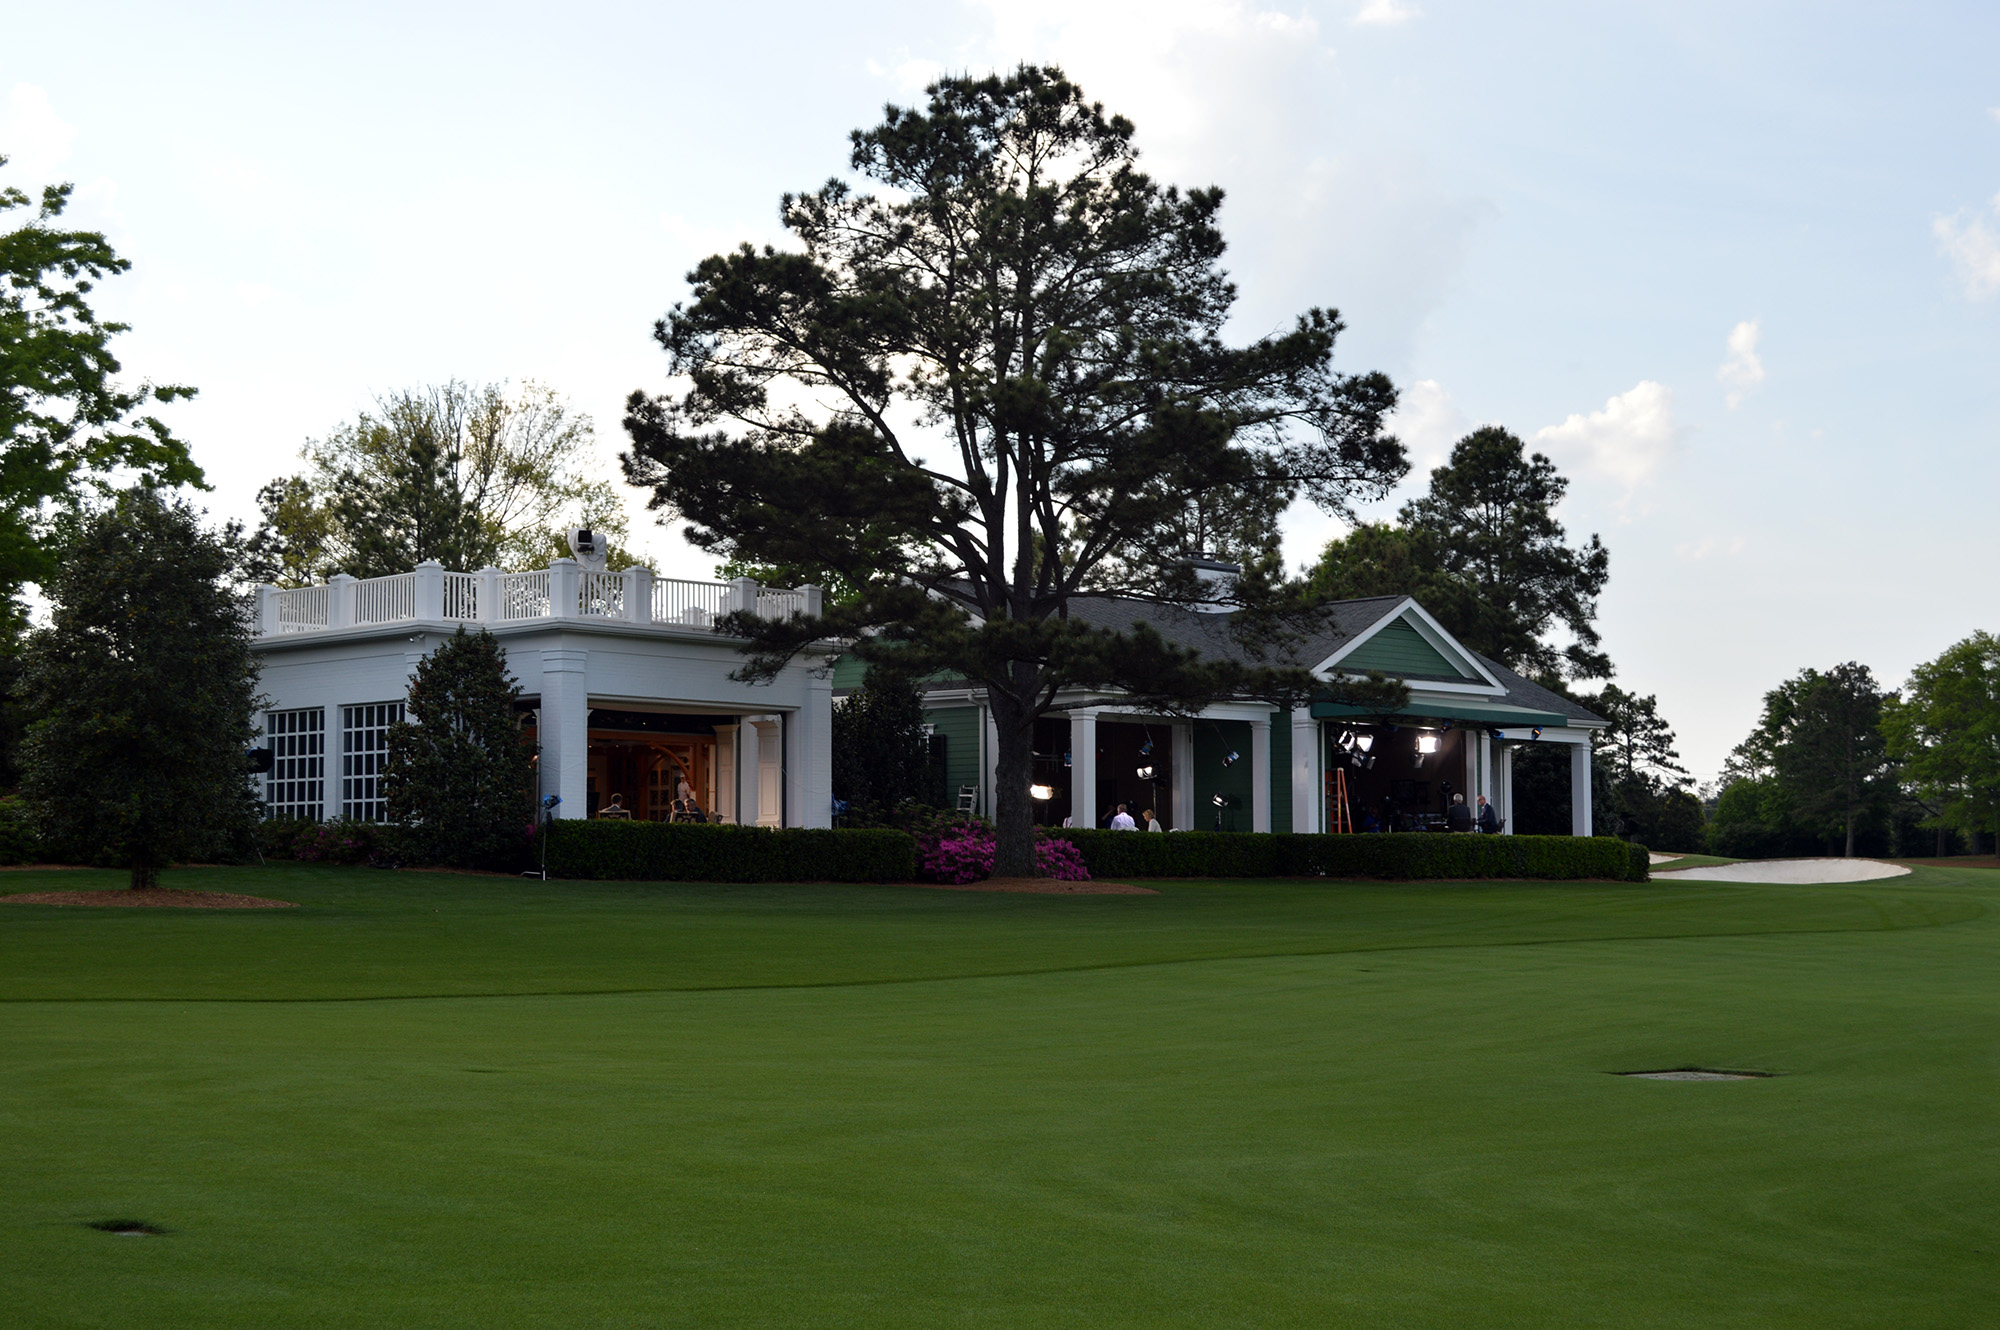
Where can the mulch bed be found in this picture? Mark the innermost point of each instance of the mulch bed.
(1044, 886)
(157, 897)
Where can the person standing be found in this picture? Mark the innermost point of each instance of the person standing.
(1488, 821)
(1122, 820)
(1458, 817)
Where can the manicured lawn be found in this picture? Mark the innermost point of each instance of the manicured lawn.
(426, 1100)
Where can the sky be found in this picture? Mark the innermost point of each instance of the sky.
(1734, 267)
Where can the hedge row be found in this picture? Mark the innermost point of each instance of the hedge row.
(1123, 854)
(696, 852)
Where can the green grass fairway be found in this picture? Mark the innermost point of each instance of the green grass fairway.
(429, 1100)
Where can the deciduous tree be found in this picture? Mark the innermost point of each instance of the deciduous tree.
(1945, 732)
(142, 688)
(992, 388)
(69, 428)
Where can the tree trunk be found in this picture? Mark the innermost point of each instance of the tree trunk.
(1940, 849)
(1013, 812)
(1849, 851)
(145, 874)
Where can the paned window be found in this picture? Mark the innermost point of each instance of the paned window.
(364, 749)
(296, 786)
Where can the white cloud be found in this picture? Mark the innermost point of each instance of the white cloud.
(1994, 111)
(32, 136)
(1726, 547)
(1742, 370)
(1385, 14)
(910, 74)
(1974, 249)
(1429, 423)
(1625, 442)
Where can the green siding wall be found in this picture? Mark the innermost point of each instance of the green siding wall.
(1214, 740)
(960, 728)
(1401, 651)
(1281, 771)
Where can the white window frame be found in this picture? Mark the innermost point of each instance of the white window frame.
(296, 786)
(364, 750)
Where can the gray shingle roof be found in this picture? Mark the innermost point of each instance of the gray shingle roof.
(1209, 634)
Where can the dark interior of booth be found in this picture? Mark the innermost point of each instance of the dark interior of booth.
(1387, 780)
(1134, 768)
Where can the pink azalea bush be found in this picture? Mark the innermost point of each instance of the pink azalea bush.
(956, 855)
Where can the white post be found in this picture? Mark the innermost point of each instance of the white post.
(1579, 789)
(639, 594)
(810, 763)
(1260, 774)
(1307, 802)
(1505, 811)
(770, 770)
(725, 773)
(990, 763)
(267, 610)
(563, 589)
(430, 591)
(489, 594)
(814, 597)
(1083, 768)
(743, 594)
(566, 729)
(340, 601)
(1182, 735)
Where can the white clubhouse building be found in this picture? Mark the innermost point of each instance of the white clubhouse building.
(626, 688)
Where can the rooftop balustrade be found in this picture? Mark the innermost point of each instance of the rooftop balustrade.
(562, 591)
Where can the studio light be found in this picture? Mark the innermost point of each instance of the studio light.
(1229, 758)
(1043, 792)
(1535, 733)
(1146, 748)
(1219, 800)
(1145, 773)
(1347, 738)
(1066, 760)
(1364, 741)
(1426, 744)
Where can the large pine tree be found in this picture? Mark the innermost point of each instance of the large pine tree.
(142, 688)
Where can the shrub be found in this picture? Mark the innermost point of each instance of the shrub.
(17, 834)
(1060, 859)
(695, 852)
(1123, 854)
(956, 855)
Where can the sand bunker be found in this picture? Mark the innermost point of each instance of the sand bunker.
(1652, 858)
(1797, 871)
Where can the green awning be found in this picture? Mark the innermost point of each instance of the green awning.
(1420, 709)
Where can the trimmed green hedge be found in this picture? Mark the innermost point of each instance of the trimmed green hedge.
(696, 852)
(1123, 854)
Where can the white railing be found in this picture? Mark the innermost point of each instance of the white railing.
(461, 596)
(386, 599)
(303, 609)
(524, 595)
(601, 595)
(691, 604)
(491, 596)
(780, 604)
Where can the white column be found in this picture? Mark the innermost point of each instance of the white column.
(743, 595)
(639, 594)
(1182, 735)
(565, 732)
(489, 594)
(1308, 798)
(814, 599)
(1579, 789)
(340, 601)
(725, 772)
(1504, 805)
(811, 759)
(1083, 768)
(989, 765)
(1260, 774)
(763, 758)
(563, 589)
(430, 591)
(267, 611)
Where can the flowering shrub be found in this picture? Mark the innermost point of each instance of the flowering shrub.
(1059, 859)
(956, 855)
(335, 842)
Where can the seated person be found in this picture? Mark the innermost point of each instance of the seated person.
(1369, 822)
(1152, 823)
(1122, 820)
(616, 808)
(686, 810)
(1458, 817)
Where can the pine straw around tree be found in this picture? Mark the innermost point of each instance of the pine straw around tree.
(150, 897)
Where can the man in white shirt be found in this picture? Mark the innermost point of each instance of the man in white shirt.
(1122, 820)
